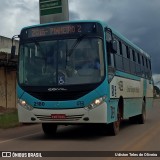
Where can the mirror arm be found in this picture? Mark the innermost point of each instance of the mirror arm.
(13, 47)
(14, 37)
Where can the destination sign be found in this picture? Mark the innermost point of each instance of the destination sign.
(63, 29)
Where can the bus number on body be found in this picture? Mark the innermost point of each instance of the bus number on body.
(39, 104)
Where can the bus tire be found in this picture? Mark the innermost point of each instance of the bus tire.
(114, 127)
(142, 117)
(133, 120)
(49, 129)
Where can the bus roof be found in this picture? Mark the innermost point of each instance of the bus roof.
(63, 22)
(104, 26)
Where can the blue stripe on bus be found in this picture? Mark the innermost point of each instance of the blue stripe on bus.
(128, 76)
(20, 92)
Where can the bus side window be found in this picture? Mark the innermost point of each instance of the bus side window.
(149, 68)
(138, 56)
(133, 61)
(150, 65)
(118, 57)
(119, 51)
(142, 60)
(133, 55)
(146, 63)
(126, 56)
(138, 66)
(120, 47)
(124, 52)
(128, 52)
(143, 67)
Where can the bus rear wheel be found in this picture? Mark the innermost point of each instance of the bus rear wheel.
(49, 129)
(142, 117)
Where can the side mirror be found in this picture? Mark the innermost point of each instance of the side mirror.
(13, 48)
(114, 46)
(13, 52)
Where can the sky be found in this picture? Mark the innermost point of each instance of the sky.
(137, 20)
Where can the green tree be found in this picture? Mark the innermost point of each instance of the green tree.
(157, 90)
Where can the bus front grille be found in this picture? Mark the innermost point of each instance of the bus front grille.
(67, 118)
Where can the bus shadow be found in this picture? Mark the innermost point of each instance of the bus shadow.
(74, 132)
(80, 132)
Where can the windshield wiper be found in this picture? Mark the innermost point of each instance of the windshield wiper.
(75, 44)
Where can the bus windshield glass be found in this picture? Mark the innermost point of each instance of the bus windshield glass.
(61, 62)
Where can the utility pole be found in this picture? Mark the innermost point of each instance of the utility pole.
(53, 11)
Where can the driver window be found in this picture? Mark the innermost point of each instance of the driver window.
(110, 55)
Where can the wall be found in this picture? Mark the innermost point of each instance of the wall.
(8, 97)
(6, 43)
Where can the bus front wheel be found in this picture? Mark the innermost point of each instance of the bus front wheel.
(49, 129)
(114, 127)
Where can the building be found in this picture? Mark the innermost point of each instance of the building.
(8, 69)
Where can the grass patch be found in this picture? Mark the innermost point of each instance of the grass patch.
(9, 120)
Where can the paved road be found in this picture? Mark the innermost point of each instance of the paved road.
(133, 137)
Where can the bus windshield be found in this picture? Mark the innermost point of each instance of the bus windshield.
(61, 62)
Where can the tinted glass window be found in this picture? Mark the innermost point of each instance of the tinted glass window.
(146, 63)
(149, 64)
(138, 56)
(133, 56)
(128, 52)
(118, 57)
(142, 60)
(120, 47)
(119, 62)
(124, 51)
(59, 62)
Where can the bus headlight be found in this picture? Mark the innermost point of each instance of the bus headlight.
(25, 105)
(96, 103)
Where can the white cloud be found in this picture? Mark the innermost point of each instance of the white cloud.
(15, 15)
(137, 20)
(90, 9)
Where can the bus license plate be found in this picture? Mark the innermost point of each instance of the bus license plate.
(58, 116)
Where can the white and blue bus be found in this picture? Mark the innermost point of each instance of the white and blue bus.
(81, 72)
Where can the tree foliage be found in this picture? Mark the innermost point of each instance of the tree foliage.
(157, 90)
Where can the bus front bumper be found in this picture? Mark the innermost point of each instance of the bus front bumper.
(64, 116)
